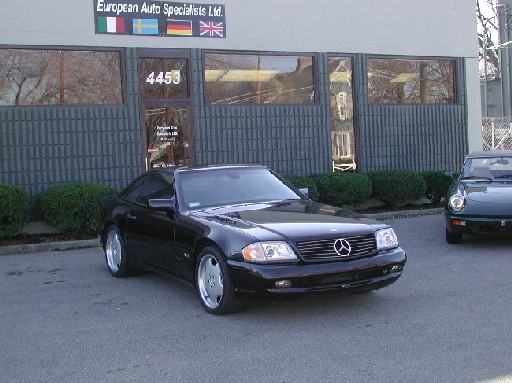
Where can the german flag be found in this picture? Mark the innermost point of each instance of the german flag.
(179, 27)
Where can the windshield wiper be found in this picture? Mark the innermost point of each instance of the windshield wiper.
(477, 178)
(504, 176)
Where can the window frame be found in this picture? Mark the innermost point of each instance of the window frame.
(355, 100)
(455, 60)
(165, 53)
(122, 72)
(314, 68)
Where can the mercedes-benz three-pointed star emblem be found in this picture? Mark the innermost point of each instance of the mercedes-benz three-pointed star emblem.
(342, 247)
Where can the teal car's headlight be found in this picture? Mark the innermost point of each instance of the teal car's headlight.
(457, 202)
(386, 239)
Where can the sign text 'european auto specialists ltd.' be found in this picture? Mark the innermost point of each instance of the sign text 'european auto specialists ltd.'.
(159, 18)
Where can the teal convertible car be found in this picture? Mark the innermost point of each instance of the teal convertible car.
(480, 200)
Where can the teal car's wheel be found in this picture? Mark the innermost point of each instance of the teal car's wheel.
(213, 283)
(453, 238)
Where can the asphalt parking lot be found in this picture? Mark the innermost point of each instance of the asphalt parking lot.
(64, 318)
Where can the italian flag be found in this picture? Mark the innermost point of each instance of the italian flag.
(111, 25)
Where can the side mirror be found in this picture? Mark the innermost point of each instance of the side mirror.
(162, 204)
(305, 191)
(448, 174)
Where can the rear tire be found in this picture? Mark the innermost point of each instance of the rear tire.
(213, 283)
(115, 254)
(453, 238)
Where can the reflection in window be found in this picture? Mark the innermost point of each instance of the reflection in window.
(50, 77)
(167, 137)
(163, 78)
(408, 81)
(258, 79)
(342, 113)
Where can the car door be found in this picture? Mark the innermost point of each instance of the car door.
(150, 232)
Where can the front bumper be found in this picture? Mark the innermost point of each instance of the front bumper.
(356, 275)
(461, 224)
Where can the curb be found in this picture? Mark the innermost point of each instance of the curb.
(405, 213)
(70, 245)
(48, 246)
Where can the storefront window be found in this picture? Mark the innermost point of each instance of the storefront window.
(163, 78)
(53, 77)
(409, 81)
(342, 114)
(258, 79)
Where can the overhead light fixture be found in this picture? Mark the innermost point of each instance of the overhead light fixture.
(403, 77)
(240, 75)
(339, 77)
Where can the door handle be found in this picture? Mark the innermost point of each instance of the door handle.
(130, 216)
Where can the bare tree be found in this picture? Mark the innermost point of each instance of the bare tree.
(487, 19)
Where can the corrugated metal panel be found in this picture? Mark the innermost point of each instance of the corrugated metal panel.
(42, 147)
(287, 138)
(412, 137)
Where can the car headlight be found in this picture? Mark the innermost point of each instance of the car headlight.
(269, 252)
(457, 202)
(386, 239)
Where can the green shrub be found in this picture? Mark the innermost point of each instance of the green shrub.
(395, 186)
(340, 189)
(437, 185)
(14, 209)
(73, 208)
(303, 182)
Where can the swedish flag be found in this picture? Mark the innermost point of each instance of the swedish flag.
(145, 27)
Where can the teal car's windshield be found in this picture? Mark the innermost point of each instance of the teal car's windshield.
(488, 168)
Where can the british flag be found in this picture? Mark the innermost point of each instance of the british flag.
(211, 29)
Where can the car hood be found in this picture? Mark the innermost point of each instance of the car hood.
(488, 198)
(292, 219)
(488, 192)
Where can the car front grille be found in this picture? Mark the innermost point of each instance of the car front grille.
(361, 246)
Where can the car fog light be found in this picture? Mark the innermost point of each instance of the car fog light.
(283, 284)
(394, 269)
(458, 223)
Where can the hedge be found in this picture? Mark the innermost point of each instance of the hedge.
(395, 186)
(303, 182)
(73, 208)
(340, 189)
(437, 185)
(14, 209)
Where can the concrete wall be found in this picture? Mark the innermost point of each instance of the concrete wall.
(398, 27)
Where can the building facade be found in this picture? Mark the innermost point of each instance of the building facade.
(102, 90)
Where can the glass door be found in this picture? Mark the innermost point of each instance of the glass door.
(168, 136)
(342, 114)
(165, 99)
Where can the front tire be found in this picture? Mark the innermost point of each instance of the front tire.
(453, 238)
(115, 254)
(213, 283)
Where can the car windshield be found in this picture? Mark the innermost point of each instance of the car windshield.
(488, 168)
(231, 186)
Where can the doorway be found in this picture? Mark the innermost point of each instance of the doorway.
(167, 138)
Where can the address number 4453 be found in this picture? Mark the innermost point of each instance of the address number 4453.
(172, 77)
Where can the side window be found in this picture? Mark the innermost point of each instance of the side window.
(132, 192)
(156, 186)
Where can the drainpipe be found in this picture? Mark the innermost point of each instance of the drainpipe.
(501, 8)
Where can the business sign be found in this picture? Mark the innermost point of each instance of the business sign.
(159, 18)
